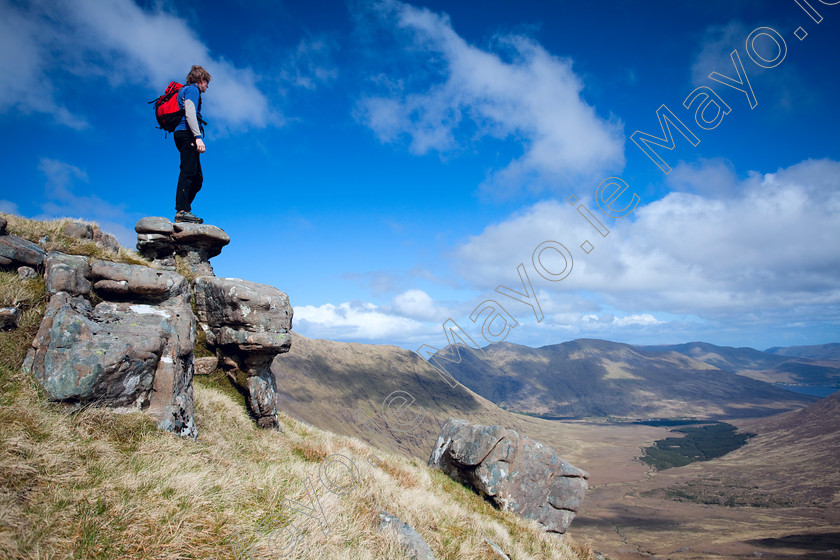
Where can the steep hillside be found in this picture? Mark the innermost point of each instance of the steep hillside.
(795, 453)
(791, 462)
(602, 378)
(341, 387)
(97, 484)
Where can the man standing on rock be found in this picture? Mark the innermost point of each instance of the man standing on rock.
(189, 139)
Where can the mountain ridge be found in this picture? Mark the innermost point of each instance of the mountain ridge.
(593, 377)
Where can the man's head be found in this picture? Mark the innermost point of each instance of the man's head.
(198, 75)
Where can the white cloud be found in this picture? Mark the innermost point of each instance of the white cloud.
(8, 207)
(715, 178)
(608, 320)
(310, 64)
(417, 304)
(44, 45)
(784, 87)
(24, 48)
(718, 42)
(765, 253)
(524, 92)
(355, 321)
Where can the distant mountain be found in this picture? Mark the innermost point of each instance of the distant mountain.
(726, 358)
(816, 352)
(341, 387)
(800, 365)
(601, 378)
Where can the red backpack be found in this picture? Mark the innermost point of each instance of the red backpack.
(167, 112)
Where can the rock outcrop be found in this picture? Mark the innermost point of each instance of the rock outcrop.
(81, 230)
(123, 335)
(412, 543)
(247, 324)
(514, 472)
(134, 349)
(160, 241)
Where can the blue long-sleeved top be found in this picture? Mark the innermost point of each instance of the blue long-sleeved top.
(189, 99)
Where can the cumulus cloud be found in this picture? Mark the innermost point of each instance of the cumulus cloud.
(763, 254)
(356, 321)
(417, 304)
(715, 178)
(46, 45)
(522, 92)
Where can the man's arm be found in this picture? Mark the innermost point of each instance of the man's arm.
(192, 119)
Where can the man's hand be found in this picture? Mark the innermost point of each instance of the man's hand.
(199, 145)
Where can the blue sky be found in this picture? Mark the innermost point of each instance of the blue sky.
(390, 164)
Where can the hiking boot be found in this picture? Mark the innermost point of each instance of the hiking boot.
(183, 216)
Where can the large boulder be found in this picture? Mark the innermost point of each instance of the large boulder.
(247, 324)
(134, 350)
(514, 472)
(160, 240)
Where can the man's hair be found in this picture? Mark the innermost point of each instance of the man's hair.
(197, 73)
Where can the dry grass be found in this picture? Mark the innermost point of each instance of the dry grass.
(94, 483)
(28, 295)
(50, 232)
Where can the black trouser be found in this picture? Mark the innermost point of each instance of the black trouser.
(190, 179)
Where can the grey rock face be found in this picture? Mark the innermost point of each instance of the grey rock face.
(139, 283)
(67, 273)
(154, 224)
(133, 350)
(514, 472)
(16, 251)
(3, 226)
(413, 544)
(106, 240)
(160, 240)
(248, 324)
(77, 230)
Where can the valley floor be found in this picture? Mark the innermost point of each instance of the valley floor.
(632, 512)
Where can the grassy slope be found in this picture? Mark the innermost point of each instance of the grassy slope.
(94, 483)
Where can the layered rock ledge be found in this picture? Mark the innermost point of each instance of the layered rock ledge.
(123, 335)
(160, 241)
